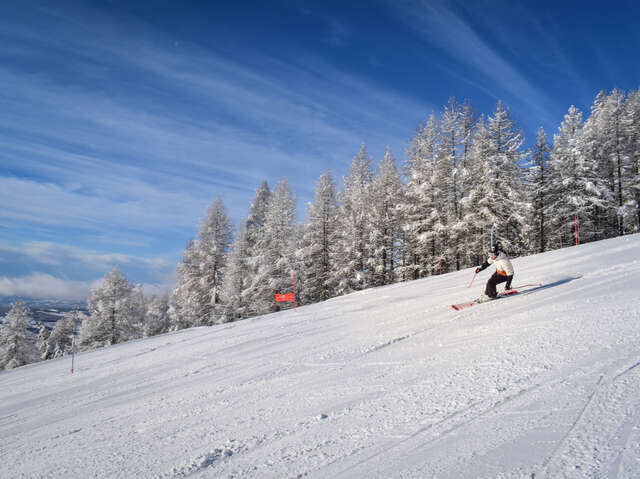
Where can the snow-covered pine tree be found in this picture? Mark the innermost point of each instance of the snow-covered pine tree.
(464, 230)
(607, 138)
(61, 339)
(200, 273)
(237, 279)
(253, 234)
(506, 202)
(112, 313)
(139, 309)
(274, 252)
(537, 230)
(215, 236)
(577, 188)
(385, 231)
(42, 344)
(17, 343)
(478, 203)
(632, 126)
(449, 184)
(594, 196)
(353, 221)
(156, 317)
(257, 214)
(320, 241)
(614, 137)
(418, 208)
(185, 305)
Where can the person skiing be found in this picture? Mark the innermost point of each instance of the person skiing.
(503, 273)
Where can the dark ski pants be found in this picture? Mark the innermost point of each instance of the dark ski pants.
(494, 281)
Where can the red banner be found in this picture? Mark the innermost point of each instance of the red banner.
(285, 297)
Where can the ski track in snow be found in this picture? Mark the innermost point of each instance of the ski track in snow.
(386, 382)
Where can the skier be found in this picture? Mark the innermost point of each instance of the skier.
(504, 272)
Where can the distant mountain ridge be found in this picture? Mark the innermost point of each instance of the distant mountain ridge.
(7, 301)
(47, 311)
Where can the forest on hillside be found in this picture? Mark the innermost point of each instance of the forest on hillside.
(465, 173)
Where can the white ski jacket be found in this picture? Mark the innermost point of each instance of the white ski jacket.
(503, 265)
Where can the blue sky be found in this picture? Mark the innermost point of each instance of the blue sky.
(120, 121)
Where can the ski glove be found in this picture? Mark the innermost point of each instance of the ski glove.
(482, 266)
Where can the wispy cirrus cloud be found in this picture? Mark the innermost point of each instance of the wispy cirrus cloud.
(186, 120)
(441, 24)
(113, 142)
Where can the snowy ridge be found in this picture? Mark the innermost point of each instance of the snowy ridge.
(387, 382)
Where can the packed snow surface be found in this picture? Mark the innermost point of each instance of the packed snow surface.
(387, 382)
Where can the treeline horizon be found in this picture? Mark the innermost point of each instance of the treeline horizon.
(465, 173)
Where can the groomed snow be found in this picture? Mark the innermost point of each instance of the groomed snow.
(388, 382)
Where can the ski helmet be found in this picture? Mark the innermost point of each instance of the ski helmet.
(496, 249)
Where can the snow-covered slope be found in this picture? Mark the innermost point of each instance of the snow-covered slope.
(388, 382)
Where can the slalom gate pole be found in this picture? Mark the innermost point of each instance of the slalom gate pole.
(575, 219)
(73, 344)
(294, 289)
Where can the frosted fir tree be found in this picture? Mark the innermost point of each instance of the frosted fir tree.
(185, 309)
(419, 208)
(614, 136)
(41, 343)
(448, 182)
(113, 313)
(253, 233)
(139, 308)
(617, 129)
(257, 215)
(478, 203)
(320, 242)
(351, 267)
(538, 230)
(237, 279)
(596, 151)
(632, 127)
(215, 236)
(200, 273)
(156, 317)
(567, 170)
(467, 126)
(385, 219)
(577, 186)
(60, 341)
(274, 252)
(17, 343)
(504, 176)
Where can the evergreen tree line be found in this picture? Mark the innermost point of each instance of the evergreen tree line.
(464, 175)
(117, 311)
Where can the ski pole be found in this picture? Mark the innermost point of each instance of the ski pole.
(472, 279)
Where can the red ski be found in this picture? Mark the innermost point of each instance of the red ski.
(501, 294)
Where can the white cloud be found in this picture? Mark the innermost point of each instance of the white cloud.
(130, 139)
(54, 254)
(145, 156)
(42, 285)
